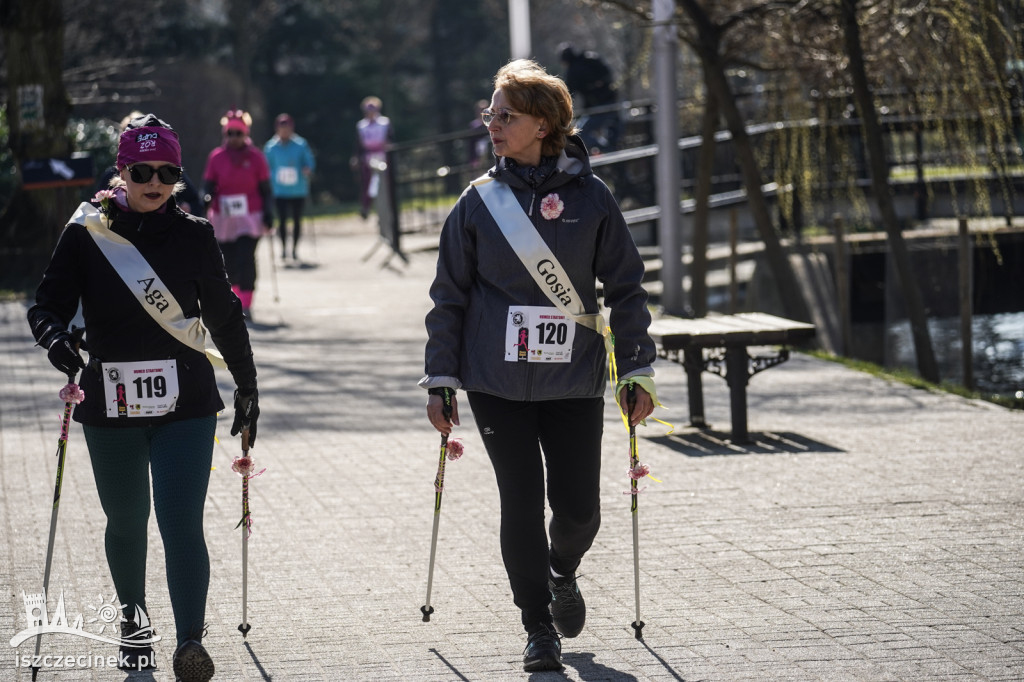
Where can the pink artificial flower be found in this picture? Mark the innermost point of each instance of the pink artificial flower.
(455, 449)
(242, 466)
(72, 394)
(551, 206)
(103, 198)
(639, 471)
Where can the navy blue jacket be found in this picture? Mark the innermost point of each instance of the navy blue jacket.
(182, 250)
(479, 276)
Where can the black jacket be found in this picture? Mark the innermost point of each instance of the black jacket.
(182, 250)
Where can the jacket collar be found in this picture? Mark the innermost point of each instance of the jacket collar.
(572, 163)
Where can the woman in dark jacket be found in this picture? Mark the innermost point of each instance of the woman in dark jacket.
(534, 369)
(151, 399)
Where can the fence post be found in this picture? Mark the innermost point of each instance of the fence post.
(842, 274)
(734, 285)
(966, 307)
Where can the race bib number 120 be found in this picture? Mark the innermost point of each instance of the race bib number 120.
(538, 334)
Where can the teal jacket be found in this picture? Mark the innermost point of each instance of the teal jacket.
(287, 162)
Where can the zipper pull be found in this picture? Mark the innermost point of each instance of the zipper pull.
(533, 197)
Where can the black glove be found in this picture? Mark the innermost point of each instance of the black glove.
(247, 411)
(64, 355)
(268, 218)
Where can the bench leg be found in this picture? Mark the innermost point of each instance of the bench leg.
(737, 373)
(693, 365)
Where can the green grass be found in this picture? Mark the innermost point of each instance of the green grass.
(905, 172)
(907, 377)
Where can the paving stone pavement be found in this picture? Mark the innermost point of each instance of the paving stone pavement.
(870, 532)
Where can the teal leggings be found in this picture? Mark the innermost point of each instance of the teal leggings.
(179, 455)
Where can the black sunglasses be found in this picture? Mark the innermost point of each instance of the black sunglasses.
(235, 133)
(141, 173)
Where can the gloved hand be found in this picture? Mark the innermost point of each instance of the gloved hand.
(247, 411)
(268, 218)
(64, 355)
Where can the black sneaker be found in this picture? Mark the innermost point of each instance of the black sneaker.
(543, 650)
(135, 656)
(192, 663)
(567, 607)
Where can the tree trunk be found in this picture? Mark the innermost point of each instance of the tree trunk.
(37, 112)
(708, 49)
(705, 168)
(878, 164)
(240, 13)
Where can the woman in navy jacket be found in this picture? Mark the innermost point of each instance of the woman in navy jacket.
(535, 378)
(151, 399)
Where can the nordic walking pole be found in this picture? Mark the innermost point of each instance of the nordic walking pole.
(634, 460)
(244, 626)
(273, 269)
(72, 396)
(427, 609)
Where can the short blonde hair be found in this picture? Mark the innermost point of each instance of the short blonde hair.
(532, 90)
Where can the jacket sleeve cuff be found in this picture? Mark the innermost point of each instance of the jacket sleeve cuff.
(439, 382)
(647, 371)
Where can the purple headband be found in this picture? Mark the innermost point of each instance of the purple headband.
(149, 143)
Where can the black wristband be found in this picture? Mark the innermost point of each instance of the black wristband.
(439, 390)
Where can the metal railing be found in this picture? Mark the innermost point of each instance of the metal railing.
(428, 175)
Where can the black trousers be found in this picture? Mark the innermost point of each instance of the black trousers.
(292, 207)
(525, 441)
(240, 261)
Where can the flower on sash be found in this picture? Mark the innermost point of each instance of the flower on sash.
(72, 394)
(103, 198)
(551, 206)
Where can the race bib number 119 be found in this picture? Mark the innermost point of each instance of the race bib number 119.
(140, 389)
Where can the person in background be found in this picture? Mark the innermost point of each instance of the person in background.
(479, 142)
(535, 375)
(588, 76)
(237, 185)
(139, 246)
(291, 165)
(188, 198)
(373, 133)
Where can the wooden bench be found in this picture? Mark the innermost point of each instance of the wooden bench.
(727, 338)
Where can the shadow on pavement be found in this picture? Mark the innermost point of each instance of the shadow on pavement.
(444, 660)
(259, 666)
(708, 442)
(588, 669)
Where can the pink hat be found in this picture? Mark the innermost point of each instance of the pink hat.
(236, 120)
(148, 143)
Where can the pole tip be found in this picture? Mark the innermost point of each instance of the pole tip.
(639, 627)
(244, 629)
(427, 610)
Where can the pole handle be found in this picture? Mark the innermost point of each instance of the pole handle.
(446, 397)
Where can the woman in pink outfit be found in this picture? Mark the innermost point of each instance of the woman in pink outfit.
(238, 196)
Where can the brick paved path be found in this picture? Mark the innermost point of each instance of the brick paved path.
(871, 532)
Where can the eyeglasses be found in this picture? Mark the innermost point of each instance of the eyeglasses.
(235, 133)
(141, 173)
(504, 116)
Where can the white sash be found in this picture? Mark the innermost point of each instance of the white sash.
(538, 259)
(140, 278)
